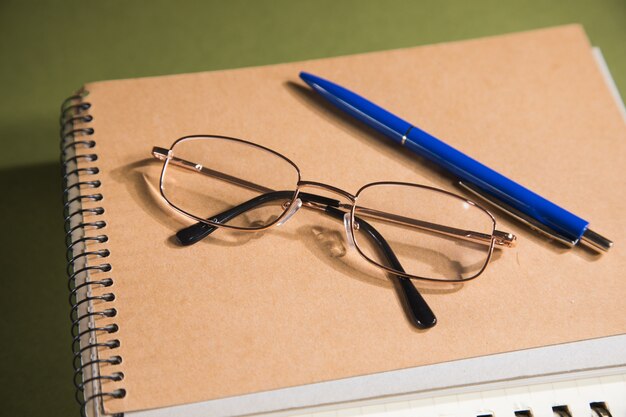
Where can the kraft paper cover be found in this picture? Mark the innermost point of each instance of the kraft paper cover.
(238, 314)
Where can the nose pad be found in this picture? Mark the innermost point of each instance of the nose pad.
(290, 211)
(347, 224)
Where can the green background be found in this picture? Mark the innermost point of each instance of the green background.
(49, 49)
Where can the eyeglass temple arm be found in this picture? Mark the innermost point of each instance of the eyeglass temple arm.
(501, 239)
(418, 310)
(416, 307)
(163, 154)
(198, 231)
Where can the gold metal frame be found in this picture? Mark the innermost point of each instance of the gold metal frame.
(438, 228)
(497, 238)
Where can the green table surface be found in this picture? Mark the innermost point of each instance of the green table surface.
(49, 49)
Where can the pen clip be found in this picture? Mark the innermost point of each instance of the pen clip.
(532, 223)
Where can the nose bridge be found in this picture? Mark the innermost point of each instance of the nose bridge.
(331, 188)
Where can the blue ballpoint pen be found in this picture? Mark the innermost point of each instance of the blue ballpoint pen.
(525, 205)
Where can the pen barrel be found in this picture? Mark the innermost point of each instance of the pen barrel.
(495, 184)
(559, 221)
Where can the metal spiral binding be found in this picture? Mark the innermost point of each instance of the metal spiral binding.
(87, 350)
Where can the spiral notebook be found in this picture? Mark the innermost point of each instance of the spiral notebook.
(277, 321)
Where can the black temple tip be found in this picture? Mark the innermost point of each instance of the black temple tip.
(194, 233)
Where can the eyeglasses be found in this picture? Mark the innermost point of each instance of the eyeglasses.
(412, 231)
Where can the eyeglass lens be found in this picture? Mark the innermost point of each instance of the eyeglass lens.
(209, 175)
(433, 234)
